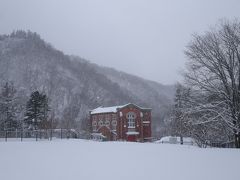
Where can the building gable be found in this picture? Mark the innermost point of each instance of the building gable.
(131, 105)
(127, 122)
(114, 109)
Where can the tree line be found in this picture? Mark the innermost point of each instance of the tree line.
(207, 102)
(15, 115)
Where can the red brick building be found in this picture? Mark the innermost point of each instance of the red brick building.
(127, 122)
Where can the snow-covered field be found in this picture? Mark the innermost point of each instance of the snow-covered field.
(88, 160)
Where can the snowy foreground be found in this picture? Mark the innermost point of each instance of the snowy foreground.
(88, 160)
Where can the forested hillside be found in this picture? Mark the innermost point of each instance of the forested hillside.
(73, 85)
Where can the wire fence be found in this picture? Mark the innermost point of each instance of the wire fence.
(42, 134)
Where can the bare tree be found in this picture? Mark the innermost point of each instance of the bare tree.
(179, 123)
(214, 71)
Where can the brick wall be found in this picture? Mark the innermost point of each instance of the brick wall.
(102, 123)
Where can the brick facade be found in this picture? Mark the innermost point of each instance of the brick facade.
(128, 122)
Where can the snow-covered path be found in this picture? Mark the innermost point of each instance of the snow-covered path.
(88, 160)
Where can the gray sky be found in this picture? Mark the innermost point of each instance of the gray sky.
(141, 37)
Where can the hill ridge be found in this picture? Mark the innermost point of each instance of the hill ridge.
(75, 85)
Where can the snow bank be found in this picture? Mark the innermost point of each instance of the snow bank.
(176, 140)
(88, 160)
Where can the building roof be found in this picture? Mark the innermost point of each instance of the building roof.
(99, 110)
(112, 109)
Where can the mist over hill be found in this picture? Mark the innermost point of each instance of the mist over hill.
(74, 85)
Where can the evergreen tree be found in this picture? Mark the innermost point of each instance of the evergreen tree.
(37, 110)
(8, 107)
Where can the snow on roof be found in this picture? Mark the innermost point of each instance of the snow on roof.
(112, 109)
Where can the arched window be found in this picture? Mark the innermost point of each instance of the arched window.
(94, 125)
(107, 123)
(100, 123)
(131, 119)
(114, 117)
(114, 124)
(100, 117)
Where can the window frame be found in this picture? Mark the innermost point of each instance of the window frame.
(131, 120)
(107, 123)
(100, 123)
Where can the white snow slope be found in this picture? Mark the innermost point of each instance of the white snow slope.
(88, 160)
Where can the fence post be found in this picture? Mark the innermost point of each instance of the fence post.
(51, 134)
(61, 133)
(51, 129)
(6, 134)
(36, 135)
(40, 134)
(21, 135)
(68, 134)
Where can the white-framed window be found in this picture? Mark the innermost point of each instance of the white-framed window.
(100, 117)
(100, 123)
(114, 124)
(94, 123)
(131, 119)
(107, 123)
(114, 117)
(131, 123)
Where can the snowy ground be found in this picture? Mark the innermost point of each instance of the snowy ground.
(88, 160)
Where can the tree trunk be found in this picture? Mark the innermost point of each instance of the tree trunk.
(181, 139)
(237, 140)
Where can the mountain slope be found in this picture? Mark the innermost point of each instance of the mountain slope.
(151, 94)
(73, 85)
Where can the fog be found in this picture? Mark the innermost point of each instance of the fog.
(142, 37)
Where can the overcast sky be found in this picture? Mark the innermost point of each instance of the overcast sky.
(142, 37)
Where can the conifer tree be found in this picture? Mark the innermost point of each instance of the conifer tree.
(8, 107)
(37, 110)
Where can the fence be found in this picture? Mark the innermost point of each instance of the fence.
(38, 135)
